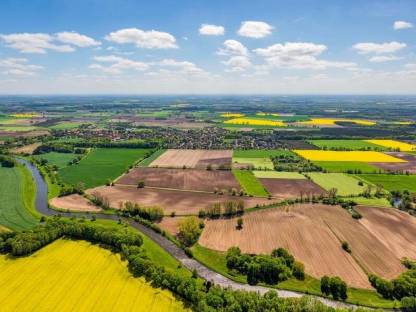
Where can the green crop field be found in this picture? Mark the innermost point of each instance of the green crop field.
(345, 166)
(249, 183)
(66, 125)
(255, 153)
(278, 175)
(258, 163)
(348, 144)
(373, 202)
(17, 196)
(392, 182)
(58, 159)
(101, 164)
(345, 184)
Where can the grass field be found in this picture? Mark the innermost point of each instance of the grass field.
(372, 202)
(66, 125)
(344, 166)
(249, 183)
(345, 184)
(17, 194)
(361, 156)
(147, 161)
(278, 175)
(58, 278)
(402, 146)
(101, 164)
(58, 159)
(255, 162)
(255, 153)
(392, 182)
(348, 144)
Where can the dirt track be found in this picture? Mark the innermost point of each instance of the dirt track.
(291, 188)
(313, 233)
(183, 179)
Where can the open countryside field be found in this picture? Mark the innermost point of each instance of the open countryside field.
(180, 202)
(347, 144)
(66, 285)
(291, 188)
(408, 166)
(60, 160)
(101, 164)
(278, 175)
(249, 183)
(173, 158)
(349, 166)
(17, 195)
(313, 234)
(392, 182)
(255, 122)
(361, 156)
(259, 153)
(73, 202)
(257, 163)
(345, 184)
(26, 149)
(183, 179)
(333, 121)
(402, 146)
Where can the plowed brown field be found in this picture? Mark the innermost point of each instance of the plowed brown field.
(183, 179)
(313, 234)
(291, 188)
(73, 202)
(409, 165)
(193, 158)
(180, 202)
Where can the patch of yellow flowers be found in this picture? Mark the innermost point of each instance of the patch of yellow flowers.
(332, 121)
(232, 115)
(25, 115)
(255, 122)
(360, 156)
(402, 146)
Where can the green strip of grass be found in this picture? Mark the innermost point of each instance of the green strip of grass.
(348, 166)
(392, 182)
(249, 183)
(147, 161)
(255, 153)
(28, 191)
(346, 185)
(347, 144)
(279, 175)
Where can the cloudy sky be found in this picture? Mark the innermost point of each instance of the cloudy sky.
(206, 47)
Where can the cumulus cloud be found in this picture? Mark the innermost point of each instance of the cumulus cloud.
(402, 25)
(211, 30)
(118, 64)
(183, 67)
(76, 39)
(18, 67)
(151, 39)
(34, 43)
(233, 47)
(299, 55)
(379, 48)
(384, 58)
(255, 29)
(237, 63)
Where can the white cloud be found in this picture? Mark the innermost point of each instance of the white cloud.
(410, 65)
(378, 48)
(18, 67)
(255, 29)
(384, 58)
(233, 47)
(299, 55)
(118, 64)
(33, 43)
(151, 39)
(76, 39)
(238, 63)
(402, 25)
(183, 67)
(211, 30)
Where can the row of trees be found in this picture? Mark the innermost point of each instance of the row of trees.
(335, 287)
(277, 267)
(398, 288)
(226, 209)
(153, 214)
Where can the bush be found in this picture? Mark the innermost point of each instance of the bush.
(189, 231)
(153, 214)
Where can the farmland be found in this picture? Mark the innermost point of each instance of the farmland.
(255, 122)
(249, 183)
(348, 166)
(392, 144)
(334, 121)
(101, 164)
(346, 185)
(360, 156)
(278, 175)
(17, 193)
(60, 160)
(392, 182)
(282, 188)
(312, 233)
(346, 144)
(257, 163)
(67, 284)
(251, 153)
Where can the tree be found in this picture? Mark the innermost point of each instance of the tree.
(346, 246)
(140, 184)
(239, 223)
(189, 230)
(332, 193)
(325, 287)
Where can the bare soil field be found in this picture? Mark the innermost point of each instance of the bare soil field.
(180, 202)
(298, 144)
(171, 225)
(27, 149)
(193, 158)
(291, 188)
(409, 165)
(313, 234)
(73, 202)
(26, 134)
(182, 179)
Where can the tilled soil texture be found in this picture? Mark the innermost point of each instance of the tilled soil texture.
(182, 179)
(313, 234)
(73, 202)
(409, 165)
(298, 144)
(291, 188)
(193, 158)
(180, 202)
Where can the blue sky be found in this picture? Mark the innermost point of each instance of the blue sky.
(238, 47)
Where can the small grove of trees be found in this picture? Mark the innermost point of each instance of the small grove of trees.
(189, 230)
(277, 267)
(7, 162)
(398, 288)
(226, 209)
(153, 214)
(335, 287)
(100, 201)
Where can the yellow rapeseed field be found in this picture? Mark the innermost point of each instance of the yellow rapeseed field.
(25, 115)
(362, 156)
(404, 147)
(232, 115)
(332, 121)
(267, 114)
(255, 122)
(77, 276)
